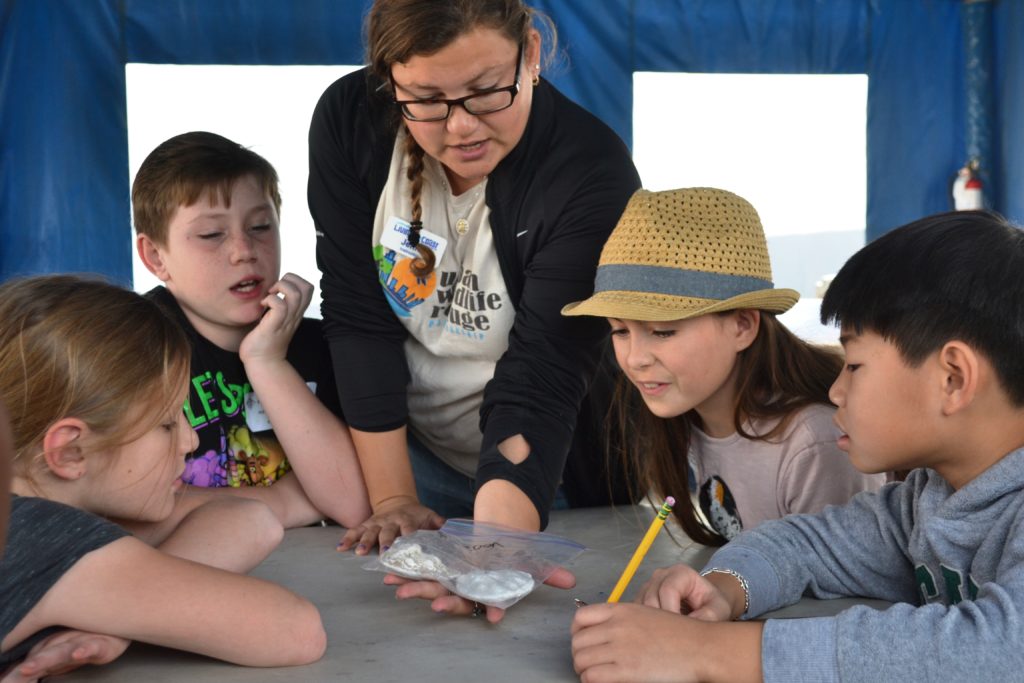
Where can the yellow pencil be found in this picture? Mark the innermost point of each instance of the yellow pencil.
(641, 550)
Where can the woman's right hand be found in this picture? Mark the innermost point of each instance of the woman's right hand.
(394, 518)
(443, 600)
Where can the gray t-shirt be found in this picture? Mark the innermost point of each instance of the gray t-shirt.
(45, 539)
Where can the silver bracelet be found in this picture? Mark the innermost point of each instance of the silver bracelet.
(739, 577)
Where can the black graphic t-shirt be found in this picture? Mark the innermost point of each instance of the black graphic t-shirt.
(237, 446)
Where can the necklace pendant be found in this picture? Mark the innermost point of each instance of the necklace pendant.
(462, 226)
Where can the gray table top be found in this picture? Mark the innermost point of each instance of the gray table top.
(373, 637)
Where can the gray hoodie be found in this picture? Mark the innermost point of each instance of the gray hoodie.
(952, 561)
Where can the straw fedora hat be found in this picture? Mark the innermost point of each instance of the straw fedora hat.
(682, 253)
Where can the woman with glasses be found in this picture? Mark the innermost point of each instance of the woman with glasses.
(460, 201)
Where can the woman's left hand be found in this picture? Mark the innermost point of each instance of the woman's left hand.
(442, 600)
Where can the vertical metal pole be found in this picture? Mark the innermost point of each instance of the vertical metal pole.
(977, 23)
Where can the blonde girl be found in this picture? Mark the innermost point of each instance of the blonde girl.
(737, 408)
(94, 377)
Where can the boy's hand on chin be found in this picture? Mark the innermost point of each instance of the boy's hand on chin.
(286, 303)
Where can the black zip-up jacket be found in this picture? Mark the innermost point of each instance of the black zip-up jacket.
(553, 201)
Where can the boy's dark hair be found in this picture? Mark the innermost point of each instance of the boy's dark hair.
(180, 169)
(955, 275)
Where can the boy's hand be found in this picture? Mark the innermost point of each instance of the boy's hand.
(286, 302)
(65, 651)
(622, 643)
(682, 590)
(444, 601)
(403, 516)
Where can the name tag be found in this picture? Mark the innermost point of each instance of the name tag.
(396, 238)
(255, 417)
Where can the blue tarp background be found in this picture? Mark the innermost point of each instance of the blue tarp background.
(64, 202)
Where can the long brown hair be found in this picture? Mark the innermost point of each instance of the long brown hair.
(779, 374)
(397, 30)
(71, 346)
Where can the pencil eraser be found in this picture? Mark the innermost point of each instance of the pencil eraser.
(670, 500)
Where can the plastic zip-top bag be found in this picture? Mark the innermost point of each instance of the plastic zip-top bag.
(487, 563)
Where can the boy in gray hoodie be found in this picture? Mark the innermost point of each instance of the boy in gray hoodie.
(932, 319)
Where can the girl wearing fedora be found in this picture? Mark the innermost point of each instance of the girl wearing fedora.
(737, 406)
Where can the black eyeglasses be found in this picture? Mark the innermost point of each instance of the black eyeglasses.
(486, 102)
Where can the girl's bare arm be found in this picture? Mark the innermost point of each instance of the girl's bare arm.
(131, 590)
